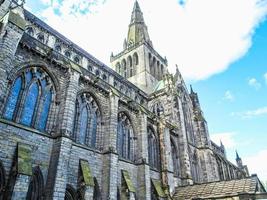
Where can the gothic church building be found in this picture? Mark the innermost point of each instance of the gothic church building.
(73, 128)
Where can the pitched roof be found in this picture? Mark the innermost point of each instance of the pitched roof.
(249, 185)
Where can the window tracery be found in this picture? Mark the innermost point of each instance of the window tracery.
(125, 137)
(153, 149)
(87, 120)
(30, 99)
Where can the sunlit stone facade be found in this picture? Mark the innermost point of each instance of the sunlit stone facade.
(73, 128)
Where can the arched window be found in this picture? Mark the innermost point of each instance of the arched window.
(153, 149)
(30, 31)
(40, 37)
(175, 159)
(150, 63)
(70, 193)
(154, 66)
(2, 180)
(135, 63)
(67, 54)
(220, 169)
(77, 59)
(125, 137)
(36, 186)
(58, 48)
(158, 70)
(135, 59)
(30, 99)
(97, 191)
(124, 68)
(129, 66)
(87, 120)
(118, 68)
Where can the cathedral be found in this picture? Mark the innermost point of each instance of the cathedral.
(73, 128)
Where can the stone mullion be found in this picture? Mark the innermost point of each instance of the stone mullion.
(38, 108)
(183, 144)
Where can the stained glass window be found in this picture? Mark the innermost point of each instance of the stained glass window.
(12, 99)
(153, 149)
(86, 123)
(30, 103)
(93, 129)
(124, 137)
(83, 127)
(44, 114)
(32, 94)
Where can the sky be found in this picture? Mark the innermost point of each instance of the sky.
(220, 47)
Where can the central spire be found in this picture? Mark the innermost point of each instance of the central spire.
(137, 15)
(137, 32)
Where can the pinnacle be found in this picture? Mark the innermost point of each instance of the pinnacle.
(136, 6)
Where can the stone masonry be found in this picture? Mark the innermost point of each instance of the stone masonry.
(140, 134)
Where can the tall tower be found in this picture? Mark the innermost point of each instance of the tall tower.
(139, 62)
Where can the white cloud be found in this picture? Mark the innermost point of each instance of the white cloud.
(251, 113)
(227, 138)
(265, 77)
(254, 83)
(257, 164)
(228, 96)
(203, 37)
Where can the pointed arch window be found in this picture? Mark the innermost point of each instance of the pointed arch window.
(130, 67)
(87, 120)
(125, 137)
(70, 193)
(36, 186)
(153, 149)
(30, 104)
(175, 159)
(123, 68)
(30, 31)
(30, 99)
(135, 63)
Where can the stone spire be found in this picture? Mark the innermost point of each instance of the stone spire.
(137, 15)
(239, 161)
(137, 32)
(237, 156)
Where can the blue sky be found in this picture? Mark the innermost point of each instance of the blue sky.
(229, 115)
(219, 46)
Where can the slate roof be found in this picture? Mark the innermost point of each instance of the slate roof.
(249, 185)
